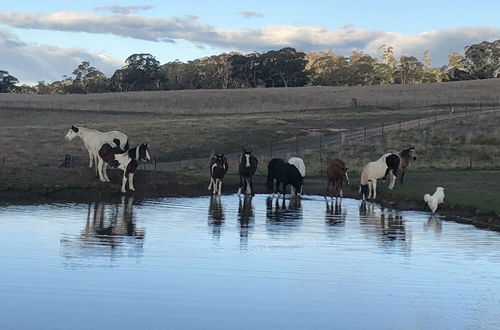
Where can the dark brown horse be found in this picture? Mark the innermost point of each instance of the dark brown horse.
(247, 169)
(336, 173)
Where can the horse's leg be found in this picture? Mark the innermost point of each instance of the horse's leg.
(284, 192)
(91, 158)
(131, 181)
(124, 182)
(241, 185)
(251, 186)
(393, 180)
(211, 182)
(326, 189)
(220, 186)
(374, 187)
(402, 176)
(98, 168)
(341, 192)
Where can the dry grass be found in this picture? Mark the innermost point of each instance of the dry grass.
(259, 100)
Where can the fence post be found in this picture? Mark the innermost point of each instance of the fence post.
(155, 162)
(400, 127)
(271, 150)
(364, 136)
(297, 145)
(382, 129)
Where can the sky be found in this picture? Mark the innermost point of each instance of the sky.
(44, 40)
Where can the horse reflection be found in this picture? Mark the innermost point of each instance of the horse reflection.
(334, 215)
(246, 219)
(107, 229)
(386, 225)
(216, 216)
(435, 223)
(282, 217)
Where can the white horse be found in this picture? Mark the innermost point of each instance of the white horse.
(299, 164)
(93, 140)
(388, 164)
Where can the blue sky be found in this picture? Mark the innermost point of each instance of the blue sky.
(42, 40)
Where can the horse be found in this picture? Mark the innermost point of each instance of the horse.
(299, 164)
(388, 164)
(285, 173)
(127, 161)
(218, 168)
(336, 173)
(247, 169)
(406, 156)
(93, 140)
(107, 154)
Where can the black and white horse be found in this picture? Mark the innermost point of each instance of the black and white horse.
(388, 164)
(299, 164)
(218, 168)
(247, 169)
(283, 173)
(127, 161)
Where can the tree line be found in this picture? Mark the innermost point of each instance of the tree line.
(286, 67)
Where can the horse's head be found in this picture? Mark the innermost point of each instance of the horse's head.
(409, 153)
(413, 152)
(246, 157)
(143, 153)
(72, 133)
(219, 160)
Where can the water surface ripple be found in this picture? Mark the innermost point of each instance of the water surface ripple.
(243, 263)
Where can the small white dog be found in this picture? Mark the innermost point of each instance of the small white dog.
(436, 199)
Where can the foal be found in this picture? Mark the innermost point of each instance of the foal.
(218, 168)
(247, 169)
(336, 173)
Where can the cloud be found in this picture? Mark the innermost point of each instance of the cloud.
(343, 41)
(31, 62)
(124, 10)
(251, 14)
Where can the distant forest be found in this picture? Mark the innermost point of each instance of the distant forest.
(286, 67)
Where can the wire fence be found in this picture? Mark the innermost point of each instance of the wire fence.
(321, 144)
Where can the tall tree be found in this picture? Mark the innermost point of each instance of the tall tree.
(7, 82)
(482, 60)
(409, 70)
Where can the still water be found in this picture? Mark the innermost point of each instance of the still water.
(230, 263)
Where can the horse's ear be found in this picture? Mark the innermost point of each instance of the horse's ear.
(74, 128)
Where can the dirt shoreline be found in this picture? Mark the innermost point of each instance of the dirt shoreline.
(37, 185)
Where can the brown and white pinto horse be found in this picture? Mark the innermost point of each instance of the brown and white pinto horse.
(336, 173)
(218, 168)
(127, 161)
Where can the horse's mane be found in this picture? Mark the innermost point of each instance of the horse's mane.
(132, 152)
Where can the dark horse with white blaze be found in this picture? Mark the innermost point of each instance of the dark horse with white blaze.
(218, 168)
(247, 169)
(284, 173)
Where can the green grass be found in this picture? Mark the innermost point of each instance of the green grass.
(478, 189)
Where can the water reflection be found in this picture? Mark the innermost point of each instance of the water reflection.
(216, 216)
(435, 224)
(283, 217)
(334, 215)
(246, 219)
(111, 226)
(386, 225)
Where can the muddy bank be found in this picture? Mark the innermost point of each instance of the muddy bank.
(28, 185)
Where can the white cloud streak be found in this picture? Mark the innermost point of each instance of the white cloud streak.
(124, 10)
(439, 43)
(31, 62)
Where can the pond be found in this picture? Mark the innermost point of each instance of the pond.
(242, 263)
